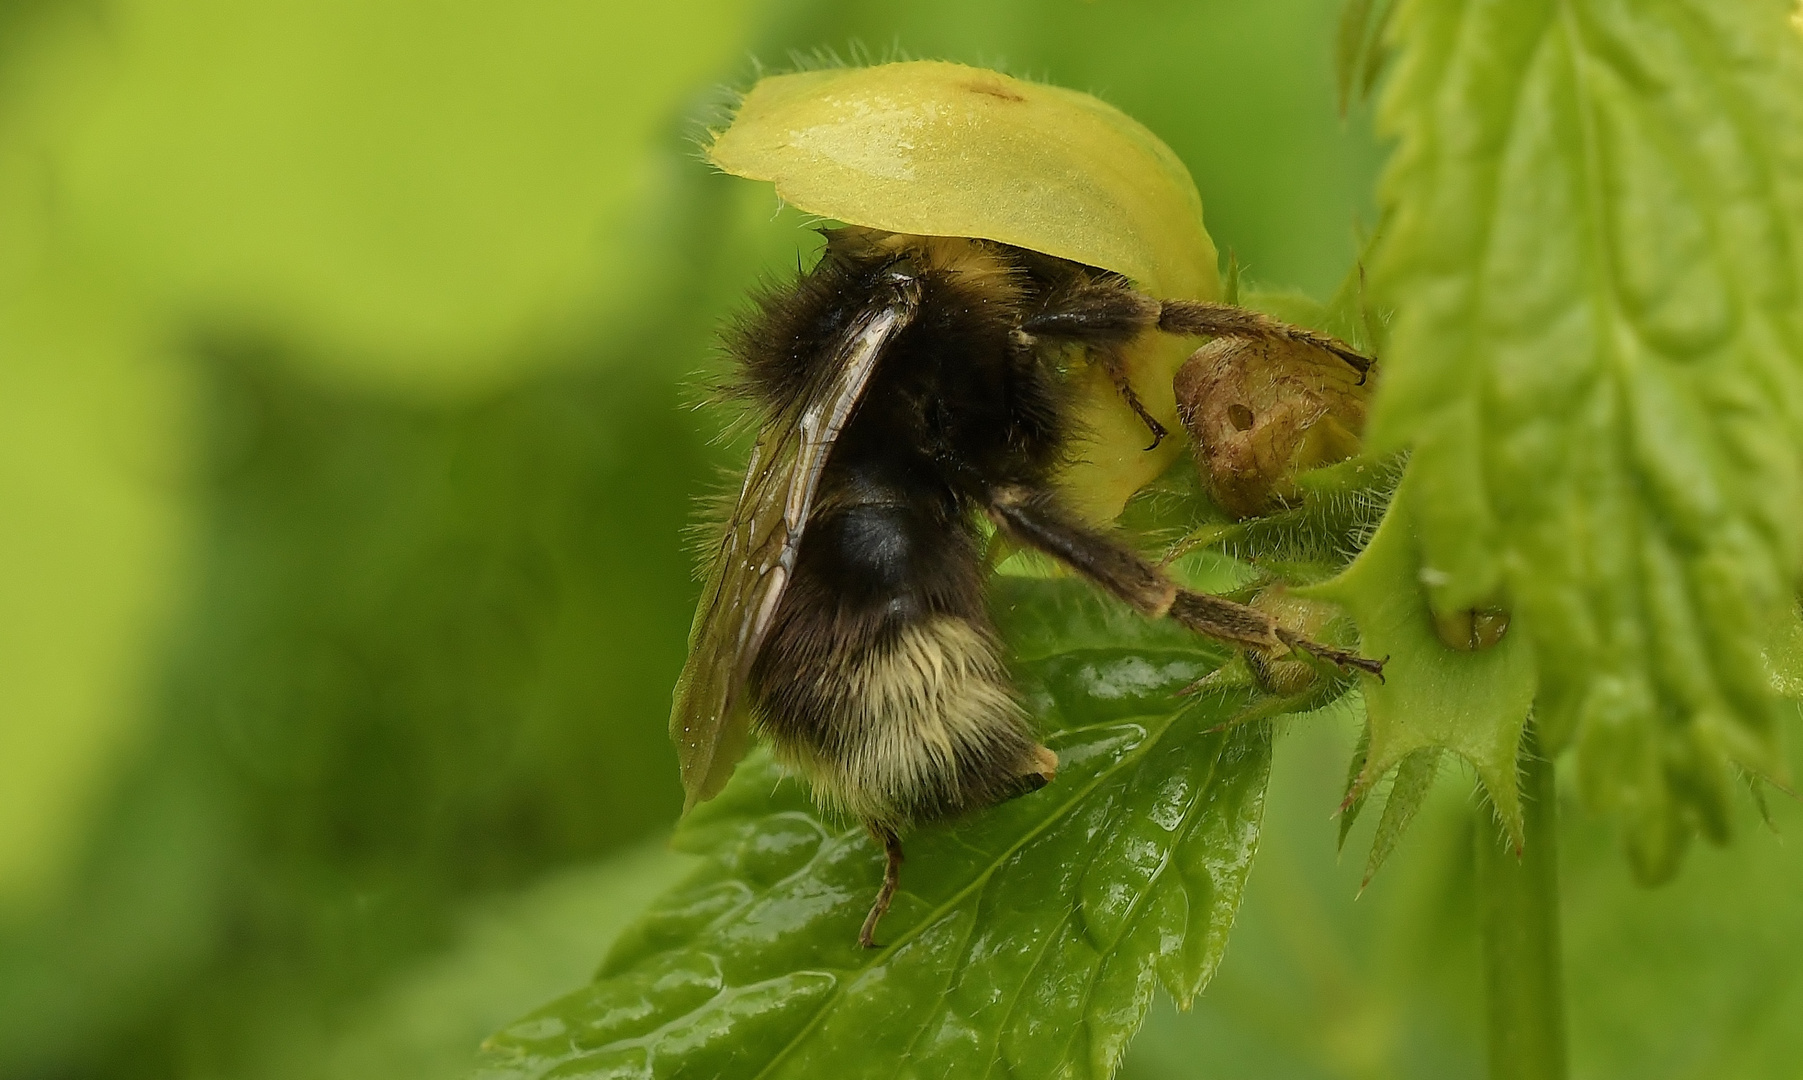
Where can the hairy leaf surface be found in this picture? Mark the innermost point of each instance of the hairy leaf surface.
(1025, 941)
(1433, 697)
(1592, 248)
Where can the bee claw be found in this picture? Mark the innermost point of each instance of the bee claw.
(885, 895)
(1340, 658)
(1158, 430)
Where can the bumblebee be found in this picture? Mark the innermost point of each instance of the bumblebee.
(910, 387)
(999, 312)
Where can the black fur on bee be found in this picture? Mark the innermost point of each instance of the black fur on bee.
(882, 678)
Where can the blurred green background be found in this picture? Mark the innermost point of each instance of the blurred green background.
(347, 356)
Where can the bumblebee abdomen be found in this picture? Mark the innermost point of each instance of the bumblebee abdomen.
(921, 723)
(882, 679)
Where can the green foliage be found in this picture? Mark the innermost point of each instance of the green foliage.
(1358, 49)
(1031, 935)
(1593, 243)
(402, 195)
(336, 639)
(454, 726)
(1432, 697)
(344, 446)
(1324, 980)
(1414, 779)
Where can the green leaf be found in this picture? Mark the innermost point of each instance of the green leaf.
(1472, 703)
(1786, 657)
(1414, 780)
(1349, 48)
(1352, 803)
(1028, 937)
(1593, 247)
(1358, 48)
(1695, 980)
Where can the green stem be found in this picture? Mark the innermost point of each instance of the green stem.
(1518, 898)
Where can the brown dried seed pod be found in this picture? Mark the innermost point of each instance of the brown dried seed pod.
(1259, 412)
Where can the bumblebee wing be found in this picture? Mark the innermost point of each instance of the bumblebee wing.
(756, 556)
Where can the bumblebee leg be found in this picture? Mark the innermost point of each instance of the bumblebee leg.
(1199, 318)
(1034, 519)
(1218, 617)
(1339, 658)
(1104, 332)
(1117, 371)
(1105, 314)
(892, 849)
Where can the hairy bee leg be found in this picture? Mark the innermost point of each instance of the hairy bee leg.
(892, 851)
(1103, 349)
(1030, 518)
(1340, 658)
(1034, 519)
(1226, 620)
(1107, 313)
(1117, 371)
(1201, 318)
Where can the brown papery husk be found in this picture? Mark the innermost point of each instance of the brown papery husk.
(1260, 412)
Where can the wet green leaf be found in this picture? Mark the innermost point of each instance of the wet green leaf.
(1691, 981)
(1593, 249)
(1029, 937)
